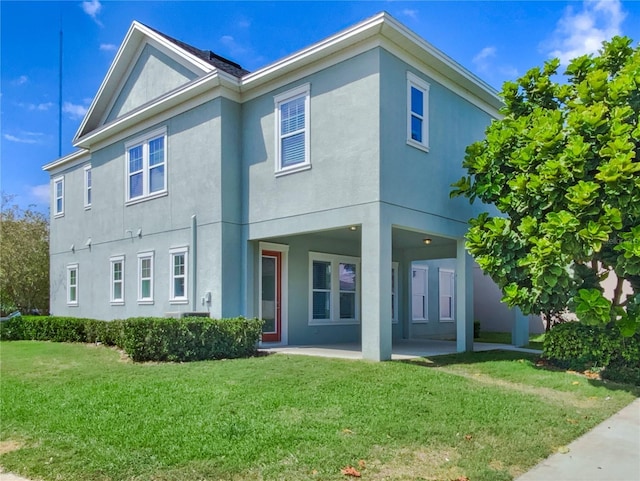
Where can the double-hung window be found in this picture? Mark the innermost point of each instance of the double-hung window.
(446, 288)
(145, 278)
(178, 281)
(58, 196)
(147, 166)
(419, 293)
(117, 280)
(417, 112)
(72, 284)
(292, 130)
(335, 289)
(87, 187)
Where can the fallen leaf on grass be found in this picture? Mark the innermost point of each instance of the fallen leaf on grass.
(468, 437)
(314, 472)
(350, 471)
(347, 431)
(563, 450)
(572, 421)
(575, 383)
(361, 463)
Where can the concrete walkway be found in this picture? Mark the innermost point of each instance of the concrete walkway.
(609, 452)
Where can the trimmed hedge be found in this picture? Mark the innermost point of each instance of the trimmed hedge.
(579, 346)
(146, 338)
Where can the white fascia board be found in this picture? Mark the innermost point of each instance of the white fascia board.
(74, 158)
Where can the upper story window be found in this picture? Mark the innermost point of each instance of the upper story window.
(417, 112)
(292, 130)
(87, 187)
(58, 197)
(147, 166)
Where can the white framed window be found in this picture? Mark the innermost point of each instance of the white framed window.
(179, 270)
(394, 292)
(87, 187)
(446, 288)
(334, 289)
(419, 294)
(146, 166)
(292, 130)
(417, 112)
(72, 284)
(117, 280)
(58, 197)
(145, 277)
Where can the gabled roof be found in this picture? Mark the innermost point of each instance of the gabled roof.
(200, 62)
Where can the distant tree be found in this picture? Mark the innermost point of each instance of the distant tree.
(24, 258)
(562, 167)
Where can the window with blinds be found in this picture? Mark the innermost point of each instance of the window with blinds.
(292, 130)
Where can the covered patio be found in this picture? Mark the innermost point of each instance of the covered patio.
(402, 349)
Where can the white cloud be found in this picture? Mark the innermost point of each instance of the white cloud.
(74, 111)
(582, 32)
(39, 193)
(41, 107)
(234, 48)
(20, 140)
(408, 12)
(108, 47)
(481, 60)
(92, 8)
(23, 79)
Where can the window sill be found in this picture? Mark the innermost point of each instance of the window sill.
(419, 321)
(178, 301)
(137, 200)
(147, 302)
(57, 216)
(293, 170)
(87, 207)
(72, 304)
(341, 322)
(117, 303)
(417, 145)
(448, 320)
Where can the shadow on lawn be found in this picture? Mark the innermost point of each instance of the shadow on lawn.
(534, 360)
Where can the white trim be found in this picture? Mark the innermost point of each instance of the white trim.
(173, 299)
(75, 158)
(88, 186)
(58, 213)
(394, 292)
(334, 290)
(303, 90)
(453, 294)
(141, 256)
(143, 142)
(70, 268)
(413, 81)
(284, 294)
(113, 260)
(425, 301)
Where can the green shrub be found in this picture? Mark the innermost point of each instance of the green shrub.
(189, 338)
(579, 346)
(12, 329)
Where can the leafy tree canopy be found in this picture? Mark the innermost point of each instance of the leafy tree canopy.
(24, 258)
(562, 167)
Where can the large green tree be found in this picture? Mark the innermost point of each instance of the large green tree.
(562, 168)
(24, 258)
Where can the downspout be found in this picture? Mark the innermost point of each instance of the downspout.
(194, 263)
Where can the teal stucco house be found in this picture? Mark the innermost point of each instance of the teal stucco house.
(313, 192)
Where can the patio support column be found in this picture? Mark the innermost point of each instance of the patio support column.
(376, 289)
(520, 328)
(464, 299)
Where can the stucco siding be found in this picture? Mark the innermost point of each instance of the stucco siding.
(153, 75)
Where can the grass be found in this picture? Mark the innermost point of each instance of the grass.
(80, 412)
(535, 340)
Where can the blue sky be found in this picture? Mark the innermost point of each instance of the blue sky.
(497, 40)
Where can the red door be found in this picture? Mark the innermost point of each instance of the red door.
(271, 295)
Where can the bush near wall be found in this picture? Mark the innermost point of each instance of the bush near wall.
(147, 338)
(579, 346)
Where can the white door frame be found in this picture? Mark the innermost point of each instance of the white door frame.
(284, 283)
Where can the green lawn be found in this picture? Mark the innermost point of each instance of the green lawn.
(535, 340)
(79, 412)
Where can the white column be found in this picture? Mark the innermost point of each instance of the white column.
(376, 290)
(520, 329)
(464, 299)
